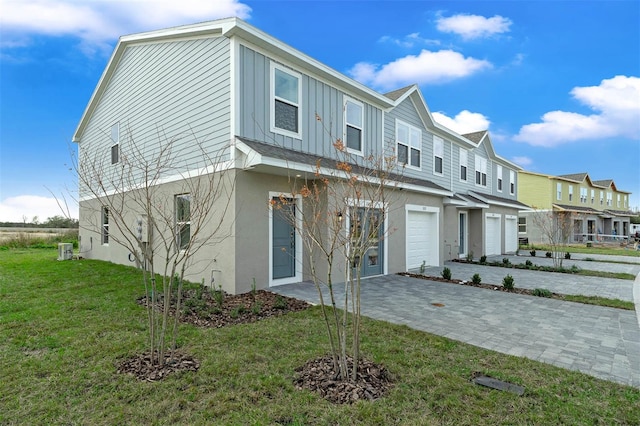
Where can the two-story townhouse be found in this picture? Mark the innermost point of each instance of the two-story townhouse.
(598, 210)
(275, 112)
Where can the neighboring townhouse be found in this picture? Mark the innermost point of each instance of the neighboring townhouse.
(597, 209)
(226, 83)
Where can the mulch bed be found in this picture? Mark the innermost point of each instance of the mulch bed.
(494, 287)
(143, 368)
(318, 375)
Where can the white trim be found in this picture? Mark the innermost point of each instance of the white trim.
(465, 249)
(378, 205)
(273, 66)
(234, 101)
(437, 140)
(423, 209)
(347, 99)
(486, 234)
(499, 179)
(460, 164)
(408, 164)
(298, 254)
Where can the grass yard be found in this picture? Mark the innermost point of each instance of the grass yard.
(613, 250)
(64, 326)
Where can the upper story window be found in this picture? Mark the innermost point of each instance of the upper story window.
(558, 191)
(481, 171)
(463, 164)
(115, 146)
(618, 200)
(583, 195)
(609, 199)
(409, 144)
(353, 125)
(438, 155)
(183, 220)
(105, 225)
(593, 196)
(625, 202)
(601, 197)
(512, 182)
(499, 176)
(286, 92)
(570, 192)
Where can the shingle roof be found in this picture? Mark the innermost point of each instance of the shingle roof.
(397, 94)
(604, 183)
(578, 177)
(577, 208)
(292, 156)
(475, 136)
(497, 199)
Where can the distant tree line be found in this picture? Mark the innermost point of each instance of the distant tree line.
(51, 222)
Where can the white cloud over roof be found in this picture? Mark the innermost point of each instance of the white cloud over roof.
(425, 68)
(95, 22)
(473, 26)
(616, 106)
(464, 122)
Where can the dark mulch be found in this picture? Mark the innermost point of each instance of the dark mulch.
(318, 375)
(143, 368)
(495, 287)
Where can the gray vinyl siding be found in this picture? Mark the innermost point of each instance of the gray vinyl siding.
(322, 118)
(174, 90)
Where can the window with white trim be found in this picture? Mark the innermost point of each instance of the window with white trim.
(583, 195)
(626, 201)
(105, 225)
(409, 144)
(618, 205)
(558, 191)
(570, 192)
(115, 143)
(463, 164)
(183, 220)
(438, 155)
(512, 182)
(601, 197)
(353, 125)
(481, 171)
(522, 225)
(593, 196)
(286, 93)
(609, 199)
(499, 177)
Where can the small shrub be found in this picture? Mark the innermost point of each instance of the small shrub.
(508, 282)
(256, 308)
(575, 269)
(237, 311)
(528, 263)
(218, 296)
(548, 254)
(483, 259)
(470, 257)
(446, 273)
(533, 253)
(280, 303)
(589, 259)
(505, 261)
(476, 279)
(567, 255)
(541, 292)
(423, 267)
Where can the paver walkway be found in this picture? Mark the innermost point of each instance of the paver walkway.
(600, 341)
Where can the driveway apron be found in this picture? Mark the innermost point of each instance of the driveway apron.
(599, 341)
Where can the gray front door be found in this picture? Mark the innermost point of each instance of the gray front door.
(368, 224)
(284, 240)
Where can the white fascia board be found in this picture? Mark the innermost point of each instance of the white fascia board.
(474, 204)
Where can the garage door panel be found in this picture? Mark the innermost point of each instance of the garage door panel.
(422, 239)
(492, 236)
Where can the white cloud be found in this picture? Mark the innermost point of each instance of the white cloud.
(464, 122)
(426, 68)
(616, 106)
(409, 40)
(95, 22)
(522, 161)
(15, 209)
(473, 26)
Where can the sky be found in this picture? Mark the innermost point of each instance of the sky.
(556, 83)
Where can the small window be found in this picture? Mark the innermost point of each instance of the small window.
(593, 196)
(512, 182)
(609, 199)
(522, 225)
(409, 144)
(183, 220)
(438, 155)
(353, 119)
(463, 164)
(285, 104)
(583, 195)
(481, 171)
(115, 140)
(570, 192)
(618, 200)
(105, 225)
(559, 191)
(601, 197)
(499, 177)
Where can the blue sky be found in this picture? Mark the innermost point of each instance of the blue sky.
(557, 83)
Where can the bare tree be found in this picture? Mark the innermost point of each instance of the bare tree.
(341, 222)
(556, 227)
(161, 209)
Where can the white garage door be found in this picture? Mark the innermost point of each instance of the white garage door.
(511, 234)
(492, 235)
(422, 239)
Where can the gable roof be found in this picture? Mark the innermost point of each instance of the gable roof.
(578, 177)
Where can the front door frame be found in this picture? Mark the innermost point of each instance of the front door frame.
(463, 233)
(368, 205)
(297, 277)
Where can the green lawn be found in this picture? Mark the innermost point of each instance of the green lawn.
(614, 250)
(64, 326)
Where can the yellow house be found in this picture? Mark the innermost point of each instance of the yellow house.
(597, 208)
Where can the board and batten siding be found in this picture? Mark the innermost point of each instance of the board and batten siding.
(322, 106)
(172, 90)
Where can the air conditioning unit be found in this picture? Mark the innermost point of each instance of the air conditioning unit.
(65, 251)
